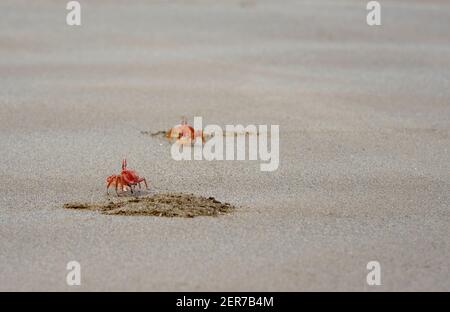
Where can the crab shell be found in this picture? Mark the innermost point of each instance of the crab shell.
(181, 131)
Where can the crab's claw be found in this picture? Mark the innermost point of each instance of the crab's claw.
(199, 134)
(124, 163)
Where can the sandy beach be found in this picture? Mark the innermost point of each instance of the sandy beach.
(364, 116)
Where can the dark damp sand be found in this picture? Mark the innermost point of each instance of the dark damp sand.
(364, 119)
(161, 205)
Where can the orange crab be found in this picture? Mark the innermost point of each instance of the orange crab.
(126, 178)
(184, 133)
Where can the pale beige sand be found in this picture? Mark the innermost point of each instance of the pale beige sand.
(364, 116)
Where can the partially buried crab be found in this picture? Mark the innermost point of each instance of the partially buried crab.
(127, 178)
(184, 133)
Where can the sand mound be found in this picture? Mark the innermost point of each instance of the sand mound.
(163, 134)
(161, 205)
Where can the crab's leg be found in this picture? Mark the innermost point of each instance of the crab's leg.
(143, 180)
(113, 179)
(118, 181)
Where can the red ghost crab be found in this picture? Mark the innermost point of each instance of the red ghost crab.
(126, 178)
(184, 133)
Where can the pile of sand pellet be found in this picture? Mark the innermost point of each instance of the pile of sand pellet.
(161, 205)
(162, 134)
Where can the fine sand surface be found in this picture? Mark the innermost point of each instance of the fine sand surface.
(364, 116)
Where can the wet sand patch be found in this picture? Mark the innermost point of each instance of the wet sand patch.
(161, 205)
